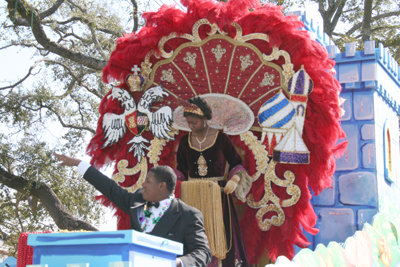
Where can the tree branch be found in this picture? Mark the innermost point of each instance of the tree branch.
(4, 235)
(79, 108)
(96, 43)
(50, 45)
(338, 34)
(7, 46)
(85, 21)
(366, 24)
(377, 17)
(334, 10)
(20, 21)
(83, 10)
(321, 8)
(378, 29)
(108, 31)
(135, 16)
(87, 87)
(69, 90)
(19, 217)
(339, 9)
(56, 209)
(26, 76)
(72, 19)
(84, 85)
(31, 109)
(23, 45)
(6, 205)
(40, 106)
(51, 10)
(349, 10)
(65, 125)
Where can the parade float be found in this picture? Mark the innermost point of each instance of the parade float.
(270, 87)
(274, 89)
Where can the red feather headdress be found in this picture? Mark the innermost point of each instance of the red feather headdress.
(321, 125)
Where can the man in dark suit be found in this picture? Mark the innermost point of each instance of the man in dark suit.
(172, 219)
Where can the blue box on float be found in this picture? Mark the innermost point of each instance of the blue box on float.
(103, 249)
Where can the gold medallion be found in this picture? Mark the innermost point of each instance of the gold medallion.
(202, 165)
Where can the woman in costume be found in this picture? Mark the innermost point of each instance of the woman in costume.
(202, 155)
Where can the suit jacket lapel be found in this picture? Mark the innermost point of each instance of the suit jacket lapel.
(167, 220)
(135, 208)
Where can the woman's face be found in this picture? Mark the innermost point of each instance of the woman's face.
(195, 123)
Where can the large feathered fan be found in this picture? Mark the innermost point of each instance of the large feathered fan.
(270, 89)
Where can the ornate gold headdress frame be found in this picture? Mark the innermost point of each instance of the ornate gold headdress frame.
(269, 202)
(288, 71)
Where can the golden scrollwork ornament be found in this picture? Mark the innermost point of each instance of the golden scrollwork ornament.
(259, 152)
(202, 166)
(190, 59)
(167, 76)
(268, 80)
(218, 52)
(123, 170)
(246, 62)
(270, 201)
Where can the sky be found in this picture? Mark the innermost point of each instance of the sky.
(15, 63)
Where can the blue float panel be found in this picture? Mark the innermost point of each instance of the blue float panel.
(347, 106)
(349, 160)
(98, 249)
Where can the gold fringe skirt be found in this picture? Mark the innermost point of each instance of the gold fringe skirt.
(206, 197)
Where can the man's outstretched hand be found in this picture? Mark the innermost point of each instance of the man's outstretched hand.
(67, 160)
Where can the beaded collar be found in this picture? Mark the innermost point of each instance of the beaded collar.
(152, 215)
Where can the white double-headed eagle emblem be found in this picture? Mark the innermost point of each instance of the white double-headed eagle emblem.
(137, 118)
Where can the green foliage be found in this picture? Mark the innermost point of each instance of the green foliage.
(54, 109)
(285, 3)
(22, 212)
(384, 30)
(385, 25)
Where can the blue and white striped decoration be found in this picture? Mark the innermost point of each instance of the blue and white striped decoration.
(300, 83)
(277, 112)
